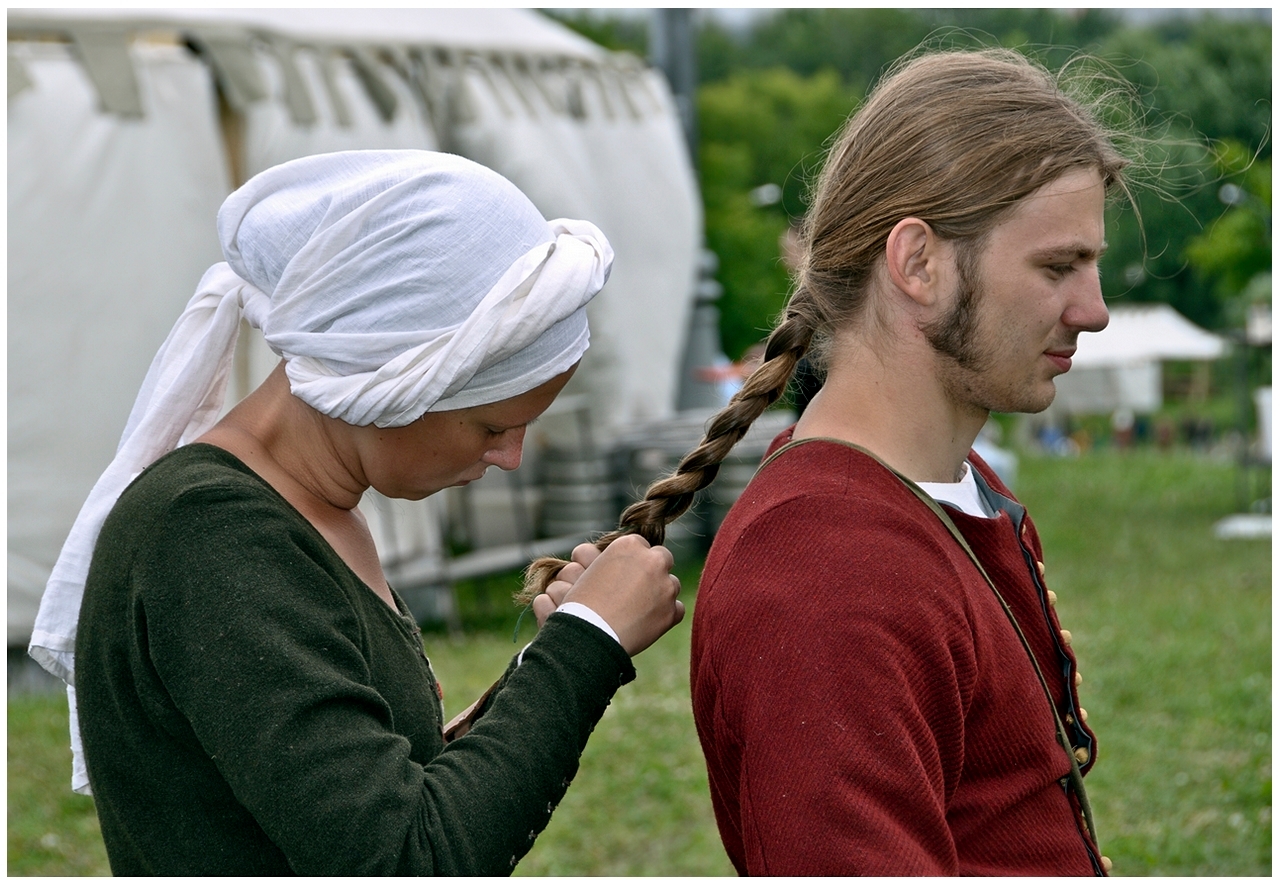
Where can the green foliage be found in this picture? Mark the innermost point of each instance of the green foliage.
(1209, 79)
(1200, 85)
(760, 127)
(1212, 73)
(1236, 247)
(856, 43)
(618, 33)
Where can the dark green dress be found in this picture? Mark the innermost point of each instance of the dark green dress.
(249, 707)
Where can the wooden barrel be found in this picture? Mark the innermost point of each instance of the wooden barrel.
(579, 494)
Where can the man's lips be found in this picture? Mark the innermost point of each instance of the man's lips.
(1061, 358)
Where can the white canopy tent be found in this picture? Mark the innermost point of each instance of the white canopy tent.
(1119, 367)
(127, 129)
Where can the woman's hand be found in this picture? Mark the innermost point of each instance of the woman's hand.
(546, 603)
(630, 585)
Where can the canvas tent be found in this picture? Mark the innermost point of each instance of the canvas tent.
(126, 129)
(1120, 366)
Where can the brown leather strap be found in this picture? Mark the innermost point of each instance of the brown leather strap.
(1075, 779)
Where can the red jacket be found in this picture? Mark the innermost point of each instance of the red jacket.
(864, 705)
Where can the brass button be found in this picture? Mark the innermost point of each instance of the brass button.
(1084, 714)
(1079, 678)
(1069, 719)
(1040, 568)
(1106, 864)
(1053, 598)
(1066, 636)
(1082, 755)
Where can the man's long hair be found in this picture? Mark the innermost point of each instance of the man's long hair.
(955, 138)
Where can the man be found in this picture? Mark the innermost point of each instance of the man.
(868, 701)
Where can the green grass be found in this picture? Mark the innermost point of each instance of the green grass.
(52, 830)
(1172, 628)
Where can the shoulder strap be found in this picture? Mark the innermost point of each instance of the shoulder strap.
(1075, 779)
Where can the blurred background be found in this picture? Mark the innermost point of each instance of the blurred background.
(691, 137)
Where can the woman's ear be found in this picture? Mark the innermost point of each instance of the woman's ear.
(913, 255)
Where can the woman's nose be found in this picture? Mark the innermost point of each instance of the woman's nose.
(506, 455)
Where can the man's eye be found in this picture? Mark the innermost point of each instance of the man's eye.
(1062, 269)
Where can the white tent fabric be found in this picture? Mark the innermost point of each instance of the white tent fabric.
(120, 153)
(103, 252)
(1103, 389)
(1143, 333)
(1120, 366)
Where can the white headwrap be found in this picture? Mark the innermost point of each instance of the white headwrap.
(393, 283)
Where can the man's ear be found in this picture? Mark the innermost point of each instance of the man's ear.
(913, 255)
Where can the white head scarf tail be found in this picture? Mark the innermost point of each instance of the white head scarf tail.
(392, 283)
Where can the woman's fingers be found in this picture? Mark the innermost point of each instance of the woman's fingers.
(543, 607)
(547, 603)
(631, 587)
(570, 573)
(584, 554)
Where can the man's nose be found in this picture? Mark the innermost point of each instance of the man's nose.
(1088, 311)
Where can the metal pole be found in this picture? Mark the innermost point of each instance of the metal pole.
(671, 50)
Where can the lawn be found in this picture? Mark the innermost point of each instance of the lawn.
(1172, 628)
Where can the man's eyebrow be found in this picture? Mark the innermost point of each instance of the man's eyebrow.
(1069, 250)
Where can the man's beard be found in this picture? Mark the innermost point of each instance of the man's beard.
(956, 333)
(974, 351)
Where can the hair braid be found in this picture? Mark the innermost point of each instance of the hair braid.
(668, 498)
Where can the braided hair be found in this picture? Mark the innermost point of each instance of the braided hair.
(668, 498)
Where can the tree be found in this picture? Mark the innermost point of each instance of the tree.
(764, 134)
(1233, 250)
(1206, 86)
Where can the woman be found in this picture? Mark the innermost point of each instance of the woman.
(253, 697)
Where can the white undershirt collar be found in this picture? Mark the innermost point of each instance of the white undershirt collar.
(963, 495)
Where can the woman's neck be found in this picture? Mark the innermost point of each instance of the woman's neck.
(293, 449)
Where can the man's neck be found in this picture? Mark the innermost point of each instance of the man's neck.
(896, 409)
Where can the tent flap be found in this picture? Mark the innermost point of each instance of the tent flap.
(104, 52)
(302, 110)
(231, 56)
(1144, 332)
(19, 79)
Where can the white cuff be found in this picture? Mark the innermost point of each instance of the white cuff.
(577, 609)
(582, 612)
